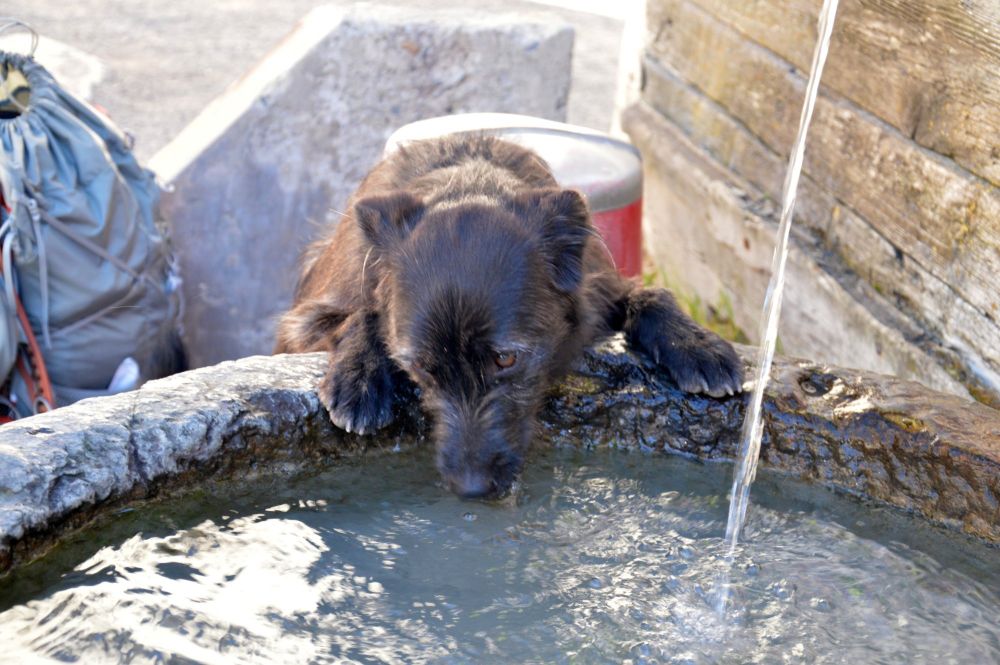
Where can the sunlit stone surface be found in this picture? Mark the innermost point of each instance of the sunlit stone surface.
(870, 435)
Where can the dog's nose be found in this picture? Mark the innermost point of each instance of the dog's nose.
(474, 486)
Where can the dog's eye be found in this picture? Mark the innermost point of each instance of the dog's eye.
(505, 359)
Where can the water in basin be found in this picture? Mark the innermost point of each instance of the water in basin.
(602, 557)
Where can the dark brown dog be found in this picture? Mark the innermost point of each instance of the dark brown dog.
(463, 267)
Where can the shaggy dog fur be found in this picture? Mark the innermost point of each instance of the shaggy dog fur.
(463, 267)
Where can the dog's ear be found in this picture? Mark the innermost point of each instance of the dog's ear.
(389, 218)
(564, 224)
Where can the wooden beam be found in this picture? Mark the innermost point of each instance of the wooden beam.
(941, 217)
(931, 69)
(706, 229)
(927, 311)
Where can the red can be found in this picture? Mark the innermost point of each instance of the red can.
(606, 170)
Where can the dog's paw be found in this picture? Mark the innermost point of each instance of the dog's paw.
(701, 362)
(359, 402)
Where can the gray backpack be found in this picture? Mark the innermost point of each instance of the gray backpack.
(81, 250)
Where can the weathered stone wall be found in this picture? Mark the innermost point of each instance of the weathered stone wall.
(892, 441)
(896, 258)
(264, 167)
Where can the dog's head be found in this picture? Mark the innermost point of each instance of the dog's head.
(476, 299)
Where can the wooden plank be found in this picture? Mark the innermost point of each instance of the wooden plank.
(930, 68)
(703, 227)
(945, 219)
(925, 308)
(712, 128)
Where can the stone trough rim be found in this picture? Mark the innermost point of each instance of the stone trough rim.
(260, 415)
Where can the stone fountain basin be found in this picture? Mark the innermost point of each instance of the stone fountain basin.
(871, 436)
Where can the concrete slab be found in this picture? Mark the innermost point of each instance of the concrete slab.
(164, 61)
(258, 172)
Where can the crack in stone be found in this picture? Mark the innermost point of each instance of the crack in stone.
(135, 464)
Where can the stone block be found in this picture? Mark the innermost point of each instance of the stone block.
(269, 163)
(872, 436)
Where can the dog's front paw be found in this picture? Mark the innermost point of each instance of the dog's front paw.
(358, 401)
(701, 362)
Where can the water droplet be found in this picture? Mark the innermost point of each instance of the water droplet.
(821, 604)
(671, 584)
(642, 649)
(781, 590)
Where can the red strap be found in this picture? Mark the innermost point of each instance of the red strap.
(31, 364)
(39, 386)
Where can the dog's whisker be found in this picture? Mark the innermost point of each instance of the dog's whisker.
(364, 267)
(595, 234)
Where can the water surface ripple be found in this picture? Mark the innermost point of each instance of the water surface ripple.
(602, 557)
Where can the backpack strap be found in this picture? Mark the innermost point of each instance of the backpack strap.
(30, 363)
(31, 367)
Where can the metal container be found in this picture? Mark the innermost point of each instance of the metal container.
(606, 170)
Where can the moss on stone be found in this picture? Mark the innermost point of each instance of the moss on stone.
(904, 422)
(717, 317)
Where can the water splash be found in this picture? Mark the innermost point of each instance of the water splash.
(746, 466)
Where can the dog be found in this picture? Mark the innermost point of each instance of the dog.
(463, 267)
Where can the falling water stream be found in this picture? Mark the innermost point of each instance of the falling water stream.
(746, 464)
